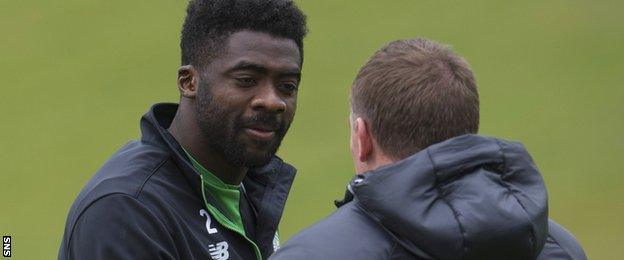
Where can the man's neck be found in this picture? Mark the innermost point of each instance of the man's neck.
(185, 130)
(377, 161)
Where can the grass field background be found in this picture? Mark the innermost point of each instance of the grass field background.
(77, 75)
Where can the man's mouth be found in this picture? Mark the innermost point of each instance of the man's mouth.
(261, 133)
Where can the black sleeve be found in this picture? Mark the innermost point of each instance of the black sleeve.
(561, 245)
(296, 251)
(119, 226)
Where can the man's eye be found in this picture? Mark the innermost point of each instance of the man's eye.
(290, 86)
(246, 81)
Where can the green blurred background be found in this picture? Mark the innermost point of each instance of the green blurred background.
(77, 75)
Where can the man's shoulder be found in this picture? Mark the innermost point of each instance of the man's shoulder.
(126, 188)
(130, 171)
(561, 244)
(108, 228)
(127, 171)
(348, 233)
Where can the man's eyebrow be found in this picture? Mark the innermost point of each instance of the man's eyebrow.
(245, 65)
(295, 73)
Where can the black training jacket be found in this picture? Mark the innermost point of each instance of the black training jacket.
(470, 197)
(145, 203)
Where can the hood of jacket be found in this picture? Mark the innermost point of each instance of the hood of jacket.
(470, 197)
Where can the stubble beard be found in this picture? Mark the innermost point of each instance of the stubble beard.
(223, 133)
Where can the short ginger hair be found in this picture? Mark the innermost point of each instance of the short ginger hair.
(415, 93)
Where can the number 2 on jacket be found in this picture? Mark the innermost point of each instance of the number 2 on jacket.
(204, 213)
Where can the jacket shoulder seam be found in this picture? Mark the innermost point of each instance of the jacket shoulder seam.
(533, 235)
(455, 212)
(152, 172)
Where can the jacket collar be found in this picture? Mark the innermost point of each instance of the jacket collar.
(267, 187)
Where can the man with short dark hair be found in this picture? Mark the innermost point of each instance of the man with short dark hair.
(204, 182)
(428, 187)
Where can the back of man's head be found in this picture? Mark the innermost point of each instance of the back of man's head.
(415, 93)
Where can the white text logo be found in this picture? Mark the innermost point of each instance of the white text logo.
(219, 252)
(203, 213)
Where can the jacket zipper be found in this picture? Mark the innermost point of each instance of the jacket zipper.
(225, 222)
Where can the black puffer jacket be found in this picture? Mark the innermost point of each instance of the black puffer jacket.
(470, 197)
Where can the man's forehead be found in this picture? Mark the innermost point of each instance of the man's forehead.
(259, 47)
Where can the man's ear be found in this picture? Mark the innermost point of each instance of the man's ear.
(364, 139)
(188, 78)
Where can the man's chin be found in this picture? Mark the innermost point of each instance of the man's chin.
(258, 158)
(254, 153)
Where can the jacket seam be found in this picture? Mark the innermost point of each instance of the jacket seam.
(268, 199)
(559, 245)
(152, 172)
(394, 246)
(533, 236)
(455, 212)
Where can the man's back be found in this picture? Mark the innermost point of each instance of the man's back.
(346, 234)
(470, 197)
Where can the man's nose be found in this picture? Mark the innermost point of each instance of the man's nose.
(269, 99)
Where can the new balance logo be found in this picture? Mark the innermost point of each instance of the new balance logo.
(219, 251)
